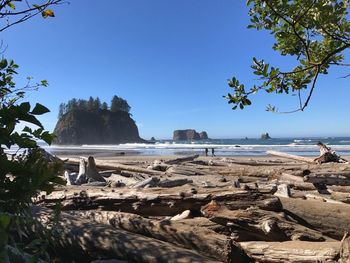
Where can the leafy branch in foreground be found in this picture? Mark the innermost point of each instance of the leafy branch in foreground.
(27, 172)
(13, 12)
(315, 32)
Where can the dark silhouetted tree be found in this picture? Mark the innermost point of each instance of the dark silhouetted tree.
(118, 103)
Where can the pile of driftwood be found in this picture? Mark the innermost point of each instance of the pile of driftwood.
(192, 209)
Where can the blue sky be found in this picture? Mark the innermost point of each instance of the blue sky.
(170, 60)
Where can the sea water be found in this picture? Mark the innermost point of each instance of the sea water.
(222, 147)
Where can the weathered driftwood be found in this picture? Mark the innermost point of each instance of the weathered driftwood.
(295, 182)
(91, 171)
(100, 240)
(345, 249)
(290, 156)
(292, 251)
(192, 234)
(82, 172)
(156, 201)
(184, 170)
(255, 224)
(331, 219)
(338, 188)
(149, 182)
(181, 159)
(331, 179)
(105, 165)
(173, 183)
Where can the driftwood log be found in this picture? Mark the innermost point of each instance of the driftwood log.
(290, 156)
(99, 240)
(156, 201)
(255, 224)
(292, 251)
(181, 159)
(329, 179)
(331, 219)
(194, 234)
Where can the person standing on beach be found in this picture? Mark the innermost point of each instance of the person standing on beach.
(206, 151)
(212, 152)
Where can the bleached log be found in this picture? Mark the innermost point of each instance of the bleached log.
(194, 234)
(91, 171)
(183, 170)
(106, 165)
(156, 201)
(81, 179)
(290, 156)
(255, 224)
(151, 182)
(100, 240)
(292, 251)
(330, 219)
(181, 159)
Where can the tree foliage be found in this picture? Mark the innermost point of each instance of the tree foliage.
(118, 103)
(93, 104)
(25, 171)
(315, 32)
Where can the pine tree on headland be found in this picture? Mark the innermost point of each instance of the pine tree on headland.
(104, 106)
(118, 103)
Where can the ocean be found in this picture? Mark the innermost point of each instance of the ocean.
(222, 147)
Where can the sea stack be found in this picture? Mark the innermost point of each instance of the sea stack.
(189, 135)
(96, 127)
(265, 136)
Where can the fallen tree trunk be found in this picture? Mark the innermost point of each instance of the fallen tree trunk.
(292, 251)
(105, 165)
(331, 219)
(290, 156)
(181, 159)
(156, 201)
(99, 240)
(188, 234)
(256, 224)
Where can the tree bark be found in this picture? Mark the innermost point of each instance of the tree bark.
(99, 240)
(292, 251)
(193, 234)
(256, 224)
(332, 220)
(156, 201)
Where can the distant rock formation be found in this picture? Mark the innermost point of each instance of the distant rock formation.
(189, 135)
(265, 136)
(203, 135)
(96, 127)
(153, 139)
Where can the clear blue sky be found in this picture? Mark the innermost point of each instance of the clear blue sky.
(170, 60)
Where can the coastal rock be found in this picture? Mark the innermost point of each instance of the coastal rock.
(96, 127)
(189, 135)
(153, 139)
(265, 136)
(203, 135)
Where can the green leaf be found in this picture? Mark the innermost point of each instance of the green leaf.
(39, 109)
(11, 5)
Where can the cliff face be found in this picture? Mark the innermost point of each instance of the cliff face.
(187, 135)
(100, 127)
